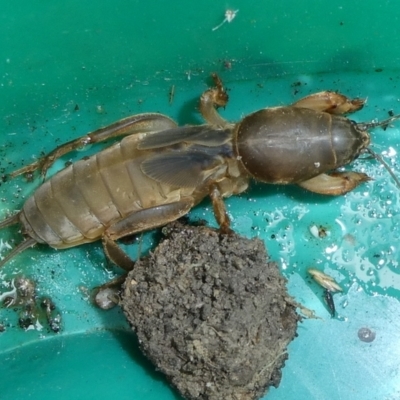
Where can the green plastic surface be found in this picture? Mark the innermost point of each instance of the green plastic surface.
(70, 67)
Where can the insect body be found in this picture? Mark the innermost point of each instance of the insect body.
(159, 171)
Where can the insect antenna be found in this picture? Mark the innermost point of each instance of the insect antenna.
(369, 125)
(19, 249)
(385, 165)
(364, 126)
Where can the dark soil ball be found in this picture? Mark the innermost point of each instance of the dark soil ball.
(211, 313)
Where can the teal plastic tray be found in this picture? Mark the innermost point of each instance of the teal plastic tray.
(69, 68)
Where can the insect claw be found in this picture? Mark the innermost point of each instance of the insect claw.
(226, 230)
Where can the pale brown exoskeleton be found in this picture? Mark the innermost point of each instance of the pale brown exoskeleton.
(158, 171)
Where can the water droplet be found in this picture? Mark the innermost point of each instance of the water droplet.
(366, 335)
(370, 272)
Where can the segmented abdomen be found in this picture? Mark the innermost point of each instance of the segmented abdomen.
(81, 201)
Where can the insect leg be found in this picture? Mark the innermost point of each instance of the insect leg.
(331, 102)
(336, 183)
(219, 210)
(140, 123)
(210, 100)
(140, 221)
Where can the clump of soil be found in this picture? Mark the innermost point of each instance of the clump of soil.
(211, 313)
(34, 311)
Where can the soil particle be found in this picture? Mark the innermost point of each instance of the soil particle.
(211, 313)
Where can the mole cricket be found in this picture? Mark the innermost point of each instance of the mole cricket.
(158, 170)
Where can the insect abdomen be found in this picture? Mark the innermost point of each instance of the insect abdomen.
(81, 201)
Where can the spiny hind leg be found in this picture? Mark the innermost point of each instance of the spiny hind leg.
(107, 295)
(154, 217)
(140, 221)
(330, 102)
(140, 123)
(220, 210)
(336, 183)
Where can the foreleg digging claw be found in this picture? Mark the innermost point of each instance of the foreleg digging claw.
(330, 102)
(336, 183)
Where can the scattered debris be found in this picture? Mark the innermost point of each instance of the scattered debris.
(318, 231)
(211, 313)
(326, 281)
(229, 17)
(330, 286)
(107, 298)
(227, 64)
(171, 94)
(4, 245)
(33, 311)
(9, 296)
(328, 297)
(53, 318)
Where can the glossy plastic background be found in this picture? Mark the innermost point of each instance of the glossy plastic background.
(67, 68)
